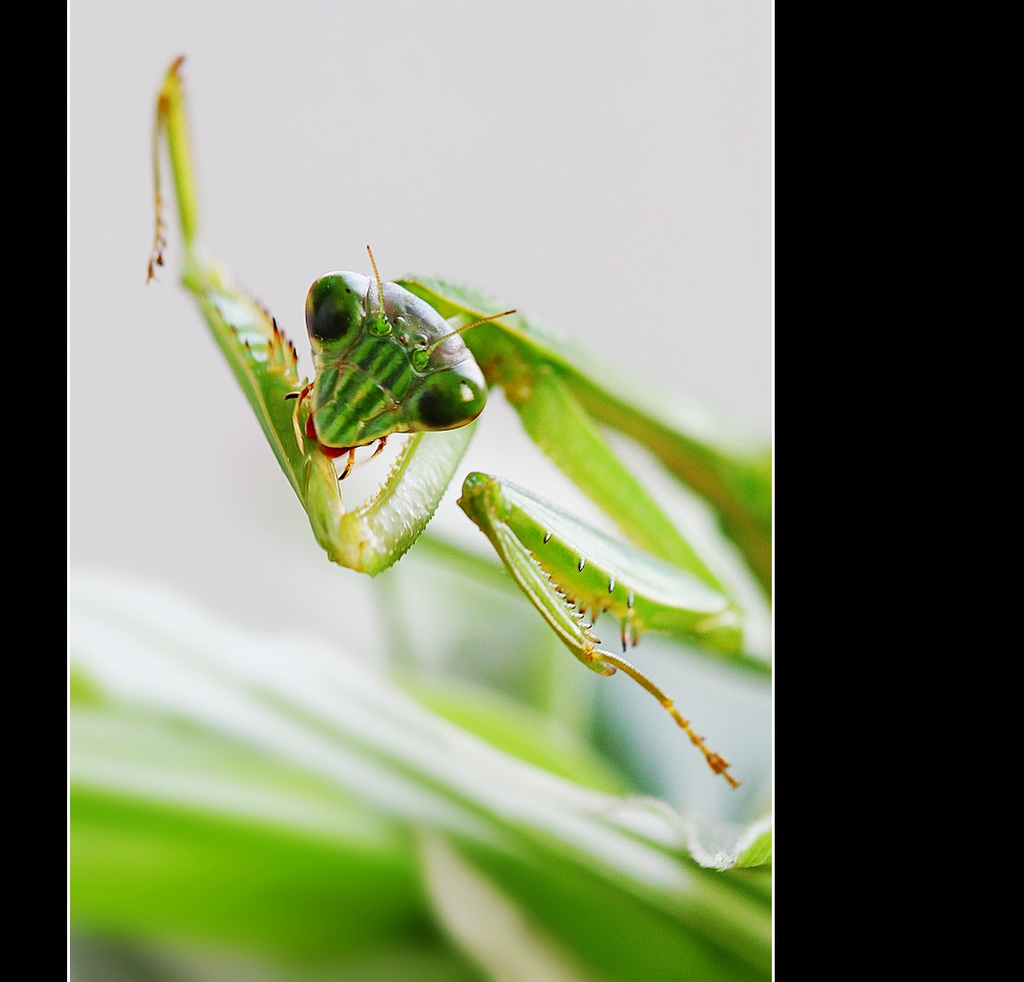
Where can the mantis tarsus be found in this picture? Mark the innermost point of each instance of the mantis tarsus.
(418, 356)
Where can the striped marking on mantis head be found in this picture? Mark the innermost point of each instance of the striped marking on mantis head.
(386, 362)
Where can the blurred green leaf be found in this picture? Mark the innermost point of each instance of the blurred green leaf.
(269, 792)
(521, 731)
(140, 868)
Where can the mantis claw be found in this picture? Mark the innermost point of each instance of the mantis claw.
(296, 426)
(348, 466)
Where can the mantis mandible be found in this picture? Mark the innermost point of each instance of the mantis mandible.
(418, 356)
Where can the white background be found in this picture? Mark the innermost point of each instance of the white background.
(606, 167)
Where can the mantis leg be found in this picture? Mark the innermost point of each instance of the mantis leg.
(729, 468)
(564, 568)
(561, 427)
(716, 762)
(370, 538)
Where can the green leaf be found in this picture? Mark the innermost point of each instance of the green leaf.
(520, 731)
(279, 784)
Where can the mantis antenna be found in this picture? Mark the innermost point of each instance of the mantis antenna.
(483, 320)
(380, 285)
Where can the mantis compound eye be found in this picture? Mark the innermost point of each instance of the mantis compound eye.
(334, 307)
(451, 398)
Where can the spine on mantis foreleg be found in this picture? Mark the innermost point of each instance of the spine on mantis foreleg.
(263, 361)
(566, 568)
(376, 535)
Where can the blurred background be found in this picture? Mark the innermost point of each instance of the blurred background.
(605, 167)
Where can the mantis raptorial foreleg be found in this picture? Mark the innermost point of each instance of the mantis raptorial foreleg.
(566, 569)
(374, 536)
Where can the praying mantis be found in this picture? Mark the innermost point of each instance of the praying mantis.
(418, 357)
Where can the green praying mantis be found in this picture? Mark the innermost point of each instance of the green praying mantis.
(418, 357)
